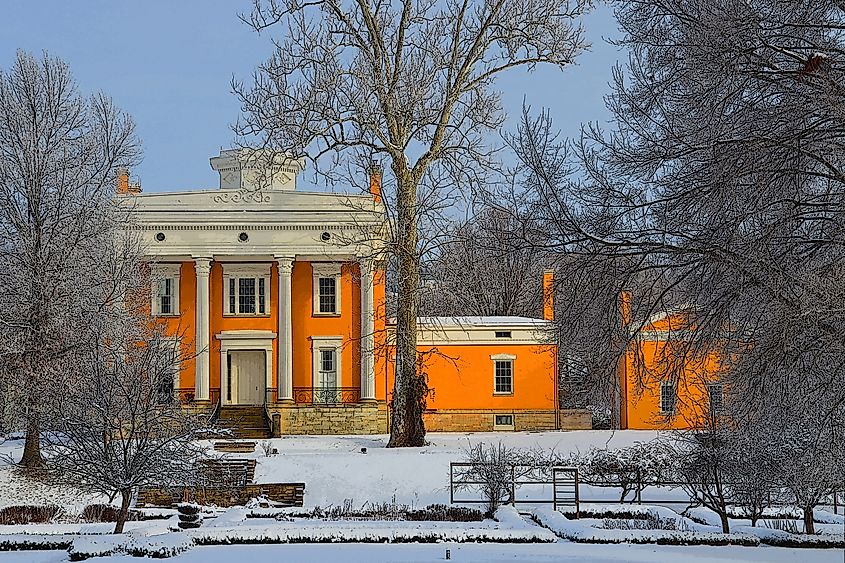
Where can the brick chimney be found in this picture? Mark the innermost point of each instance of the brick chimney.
(625, 308)
(124, 186)
(548, 295)
(122, 181)
(375, 181)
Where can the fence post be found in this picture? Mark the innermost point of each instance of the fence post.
(577, 496)
(835, 505)
(639, 486)
(513, 485)
(451, 483)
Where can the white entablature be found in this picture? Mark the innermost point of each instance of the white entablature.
(258, 222)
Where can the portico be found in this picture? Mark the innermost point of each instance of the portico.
(276, 287)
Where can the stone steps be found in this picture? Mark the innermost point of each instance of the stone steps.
(244, 421)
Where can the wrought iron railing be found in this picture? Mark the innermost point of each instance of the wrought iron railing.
(187, 395)
(326, 395)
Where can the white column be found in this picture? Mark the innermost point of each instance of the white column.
(368, 373)
(285, 341)
(203, 268)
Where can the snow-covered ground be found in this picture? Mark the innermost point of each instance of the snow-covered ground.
(334, 469)
(337, 472)
(464, 553)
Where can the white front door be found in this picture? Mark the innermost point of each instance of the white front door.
(247, 377)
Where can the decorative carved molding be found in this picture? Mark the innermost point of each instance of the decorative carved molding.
(242, 196)
(202, 266)
(285, 265)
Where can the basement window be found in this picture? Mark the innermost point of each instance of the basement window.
(502, 422)
(503, 334)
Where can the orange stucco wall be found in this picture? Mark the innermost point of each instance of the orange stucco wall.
(661, 355)
(305, 324)
(380, 336)
(183, 325)
(461, 377)
(219, 323)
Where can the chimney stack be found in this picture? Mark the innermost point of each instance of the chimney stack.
(625, 308)
(122, 181)
(375, 180)
(548, 295)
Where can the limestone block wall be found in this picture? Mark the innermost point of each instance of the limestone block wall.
(523, 420)
(363, 418)
(291, 494)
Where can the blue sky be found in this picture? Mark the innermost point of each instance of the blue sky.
(170, 63)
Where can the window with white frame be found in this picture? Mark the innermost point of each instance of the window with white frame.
(715, 397)
(326, 285)
(326, 365)
(167, 380)
(502, 422)
(246, 289)
(668, 397)
(503, 374)
(165, 289)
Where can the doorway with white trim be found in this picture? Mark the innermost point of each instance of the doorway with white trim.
(245, 385)
(246, 366)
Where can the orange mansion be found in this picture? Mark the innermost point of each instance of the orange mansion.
(278, 297)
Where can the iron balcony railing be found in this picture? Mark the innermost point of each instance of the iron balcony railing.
(326, 395)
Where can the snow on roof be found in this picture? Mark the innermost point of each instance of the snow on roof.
(479, 322)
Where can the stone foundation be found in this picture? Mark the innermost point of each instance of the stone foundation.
(357, 418)
(290, 494)
(523, 420)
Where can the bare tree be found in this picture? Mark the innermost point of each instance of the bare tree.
(118, 426)
(756, 476)
(413, 82)
(812, 461)
(705, 460)
(484, 268)
(58, 154)
(723, 182)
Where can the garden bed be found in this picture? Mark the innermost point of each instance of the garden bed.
(593, 530)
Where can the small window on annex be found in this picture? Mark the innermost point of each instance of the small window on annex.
(668, 397)
(715, 397)
(503, 422)
(165, 289)
(246, 289)
(326, 284)
(503, 374)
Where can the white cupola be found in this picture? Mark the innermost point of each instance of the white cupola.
(256, 169)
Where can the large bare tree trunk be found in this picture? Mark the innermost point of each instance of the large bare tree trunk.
(726, 525)
(31, 458)
(407, 429)
(809, 523)
(122, 516)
